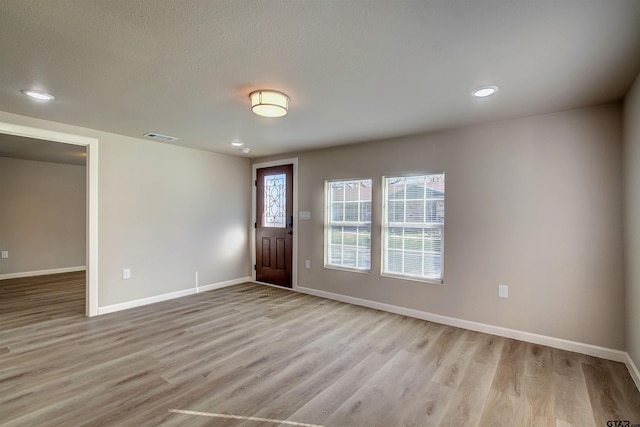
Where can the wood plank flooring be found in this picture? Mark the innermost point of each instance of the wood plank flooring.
(29, 300)
(251, 355)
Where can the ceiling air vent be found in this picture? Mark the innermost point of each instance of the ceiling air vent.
(160, 137)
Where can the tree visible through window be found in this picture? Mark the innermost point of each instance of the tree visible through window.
(348, 224)
(413, 225)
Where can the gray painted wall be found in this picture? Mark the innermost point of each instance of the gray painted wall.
(533, 203)
(165, 212)
(168, 212)
(632, 218)
(42, 215)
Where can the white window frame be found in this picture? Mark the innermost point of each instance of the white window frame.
(385, 234)
(329, 223)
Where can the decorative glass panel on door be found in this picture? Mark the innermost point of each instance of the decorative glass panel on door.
(275, 201)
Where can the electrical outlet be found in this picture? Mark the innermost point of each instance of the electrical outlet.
(503, 291)
(304, 215)
(5, 254)
(126, 273)
(307, 264)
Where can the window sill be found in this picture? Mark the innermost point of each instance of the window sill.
(347, 269)
(414, 279)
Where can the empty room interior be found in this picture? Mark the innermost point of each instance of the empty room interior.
(320, 213)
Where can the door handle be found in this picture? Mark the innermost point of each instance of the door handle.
(290, 233)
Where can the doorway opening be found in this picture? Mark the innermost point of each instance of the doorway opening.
(89, 146)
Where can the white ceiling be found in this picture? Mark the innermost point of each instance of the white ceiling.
(355, 70)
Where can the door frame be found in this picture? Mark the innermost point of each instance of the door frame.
(294, 258)
(91, 144)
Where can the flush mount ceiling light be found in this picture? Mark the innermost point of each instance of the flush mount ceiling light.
(484, 91)
(36, 94)
(269, 103)
(237, 144)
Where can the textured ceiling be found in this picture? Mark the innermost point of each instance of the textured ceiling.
(355, 70)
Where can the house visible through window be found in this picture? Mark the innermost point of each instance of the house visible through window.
(348, 224)
(413, 225)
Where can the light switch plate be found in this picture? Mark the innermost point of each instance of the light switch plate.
(503, 291)
(5, 254)
(126, 273)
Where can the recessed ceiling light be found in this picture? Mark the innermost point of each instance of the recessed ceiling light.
(484, 91)
(237, 143)
(36, 94)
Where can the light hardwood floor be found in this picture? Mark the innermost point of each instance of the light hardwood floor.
(271, 354)
(29, 300)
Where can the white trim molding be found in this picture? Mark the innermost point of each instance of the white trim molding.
(224, 284)
(145, 301)
(633, 370)
(42, 272)
(171, 295)
(588, 349)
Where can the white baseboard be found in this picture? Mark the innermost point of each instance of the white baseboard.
(588, 349)
(633, 370)
(223, 284)
(41, 272)
(145, 301)
(171, 295)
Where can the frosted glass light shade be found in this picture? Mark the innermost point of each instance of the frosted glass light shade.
(269, 103)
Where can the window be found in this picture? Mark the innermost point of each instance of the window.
(275, 200)
(348, 224)
(413, 225)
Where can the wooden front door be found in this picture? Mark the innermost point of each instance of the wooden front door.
(274, 225)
